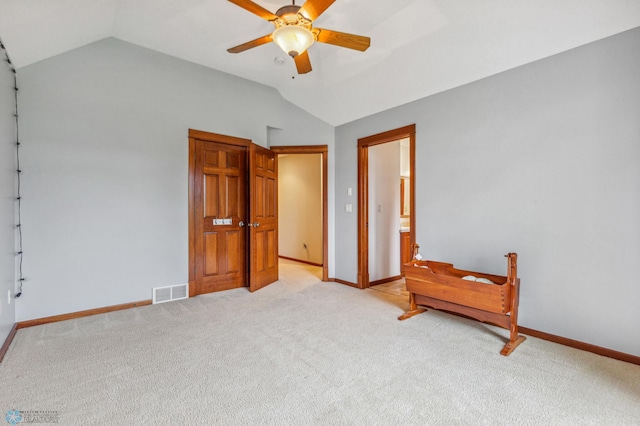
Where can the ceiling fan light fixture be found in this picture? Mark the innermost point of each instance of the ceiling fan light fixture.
(293, 39)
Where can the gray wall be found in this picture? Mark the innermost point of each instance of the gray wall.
(105, 143)
(7, 198)
(543, 160)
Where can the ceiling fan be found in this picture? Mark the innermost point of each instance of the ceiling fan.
(294, 31)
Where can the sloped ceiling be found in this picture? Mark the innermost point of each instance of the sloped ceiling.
(418, 47)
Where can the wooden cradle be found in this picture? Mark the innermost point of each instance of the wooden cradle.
(440, 286)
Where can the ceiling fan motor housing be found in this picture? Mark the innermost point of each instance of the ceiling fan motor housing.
(290, 9)
(290, 15)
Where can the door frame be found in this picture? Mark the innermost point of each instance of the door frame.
(208, 137)
(363, 192)
(324, 150)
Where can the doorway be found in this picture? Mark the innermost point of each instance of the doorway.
(322, 150)
(233, 226)
(364, 144)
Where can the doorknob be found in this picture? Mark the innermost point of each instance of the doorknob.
(241, 223)
(255, 225)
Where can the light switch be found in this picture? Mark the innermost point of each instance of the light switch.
(349, 192)
(348, 208)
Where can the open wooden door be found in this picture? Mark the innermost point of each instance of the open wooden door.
(233, 222)
(263, 211)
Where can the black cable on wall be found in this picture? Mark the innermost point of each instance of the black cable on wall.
(19, 253)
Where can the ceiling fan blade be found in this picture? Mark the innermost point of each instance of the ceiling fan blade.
(250, 44)
(255, 9)
(350, 41)
(311, 9)
(303, 64)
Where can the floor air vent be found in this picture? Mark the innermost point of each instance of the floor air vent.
(169, 293)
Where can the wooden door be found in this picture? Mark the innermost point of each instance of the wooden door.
(264, 217)
(220, 212)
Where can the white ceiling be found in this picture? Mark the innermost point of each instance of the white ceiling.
(418, 47)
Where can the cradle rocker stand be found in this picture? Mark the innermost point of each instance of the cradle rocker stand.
(440, 286)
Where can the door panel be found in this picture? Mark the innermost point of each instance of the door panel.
(259, 194)
(233, 245)
(272, 255)
(211, 254)
(219, 193)
(211, 199)
(233, 192)
(264, 232)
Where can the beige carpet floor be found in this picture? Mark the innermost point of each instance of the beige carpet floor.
(305, 352)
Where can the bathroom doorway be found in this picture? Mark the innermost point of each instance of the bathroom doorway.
(366, 209)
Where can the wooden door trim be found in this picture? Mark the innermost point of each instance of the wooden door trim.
(208, 137)
(389, 136)
(363, 215)
(324, 151)
(215, 137)
(363, 192)
(191, 214)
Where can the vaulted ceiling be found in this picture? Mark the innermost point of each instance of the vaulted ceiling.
(418, 47)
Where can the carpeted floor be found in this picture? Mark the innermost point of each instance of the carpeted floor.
(304, 352)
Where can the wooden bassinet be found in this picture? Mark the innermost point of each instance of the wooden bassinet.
(440, 286)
